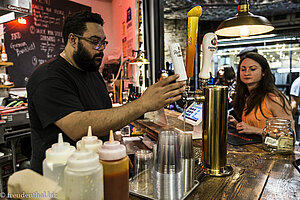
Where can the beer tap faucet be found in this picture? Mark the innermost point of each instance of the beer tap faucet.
(209, 45)
(213, 98)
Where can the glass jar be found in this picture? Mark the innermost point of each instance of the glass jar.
(278, 136)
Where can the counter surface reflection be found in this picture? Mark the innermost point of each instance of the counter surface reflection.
(257, 174)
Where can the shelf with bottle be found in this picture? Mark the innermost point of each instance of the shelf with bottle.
(5, 64)
(7, 86)
(134, 93)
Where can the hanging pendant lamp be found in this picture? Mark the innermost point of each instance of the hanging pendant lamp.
(139, 60)
(244, 23)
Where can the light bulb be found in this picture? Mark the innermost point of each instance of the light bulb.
(244, 31)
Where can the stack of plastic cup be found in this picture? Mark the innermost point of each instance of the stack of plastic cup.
(142, 177)
(167, 171)
(187, 160)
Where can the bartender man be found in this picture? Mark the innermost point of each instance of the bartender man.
(67, 94)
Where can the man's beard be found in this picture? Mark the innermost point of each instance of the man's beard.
(85, 61)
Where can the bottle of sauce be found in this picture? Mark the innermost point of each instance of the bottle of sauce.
(115, 163)
(56, 160)
(83, 178)
(91, 142)
(3, 53)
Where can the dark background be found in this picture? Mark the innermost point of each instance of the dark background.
(39, 40)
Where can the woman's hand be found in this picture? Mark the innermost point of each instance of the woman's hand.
(232, 122)
(245, 128)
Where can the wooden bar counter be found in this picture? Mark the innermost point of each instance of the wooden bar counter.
(257, 174)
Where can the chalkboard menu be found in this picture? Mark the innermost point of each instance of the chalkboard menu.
(40, 39)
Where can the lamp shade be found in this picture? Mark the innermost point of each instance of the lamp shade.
(244, 24)
(139, 60)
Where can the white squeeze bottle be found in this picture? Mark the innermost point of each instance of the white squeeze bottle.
(83, 176)
(91, 142)
(56, 160)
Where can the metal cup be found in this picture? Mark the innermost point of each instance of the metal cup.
(142, 179)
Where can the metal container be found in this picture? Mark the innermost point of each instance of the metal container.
(215, 106)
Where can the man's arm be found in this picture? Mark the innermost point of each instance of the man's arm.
(295, 101)
(155, 97)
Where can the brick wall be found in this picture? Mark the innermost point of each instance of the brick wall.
(175, 32)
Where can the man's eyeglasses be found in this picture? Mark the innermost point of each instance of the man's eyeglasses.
(96, 44)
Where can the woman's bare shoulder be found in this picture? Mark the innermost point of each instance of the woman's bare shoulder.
(272, 97)
(274, 101)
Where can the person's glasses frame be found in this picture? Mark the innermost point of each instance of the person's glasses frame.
(96, 44)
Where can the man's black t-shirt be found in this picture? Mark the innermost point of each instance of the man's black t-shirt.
(56, 89)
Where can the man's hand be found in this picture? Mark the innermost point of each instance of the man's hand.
(162, 93)
(245, 128)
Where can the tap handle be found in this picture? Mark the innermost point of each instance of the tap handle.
(177, 60)
(209, 45)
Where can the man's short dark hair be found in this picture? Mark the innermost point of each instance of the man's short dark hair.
(76, 23)
(247, 50)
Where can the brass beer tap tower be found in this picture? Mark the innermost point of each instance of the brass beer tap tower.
(215, 104)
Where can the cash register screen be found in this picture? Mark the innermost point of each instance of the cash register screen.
(193, 114)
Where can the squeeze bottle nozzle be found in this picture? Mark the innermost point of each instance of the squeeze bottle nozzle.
(91, 142)
(60, 151)
(89, 131)
(112, 150)
(111, 136)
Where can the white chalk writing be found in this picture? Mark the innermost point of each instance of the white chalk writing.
(15, 36)
(21, 48)
(59, 12)
(47, 38)
(40, 31)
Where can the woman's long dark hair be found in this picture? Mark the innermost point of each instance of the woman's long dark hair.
(265, 86)
(229, 76)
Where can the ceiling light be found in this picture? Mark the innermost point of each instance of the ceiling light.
(244, 23)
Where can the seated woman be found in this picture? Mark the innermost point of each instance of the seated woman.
(226, 77)
(257, 97)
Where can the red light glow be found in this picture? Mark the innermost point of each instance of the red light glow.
(22, 20)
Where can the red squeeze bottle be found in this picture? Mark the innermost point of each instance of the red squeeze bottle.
(115, 162)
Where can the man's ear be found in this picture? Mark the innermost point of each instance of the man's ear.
(72, 40)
